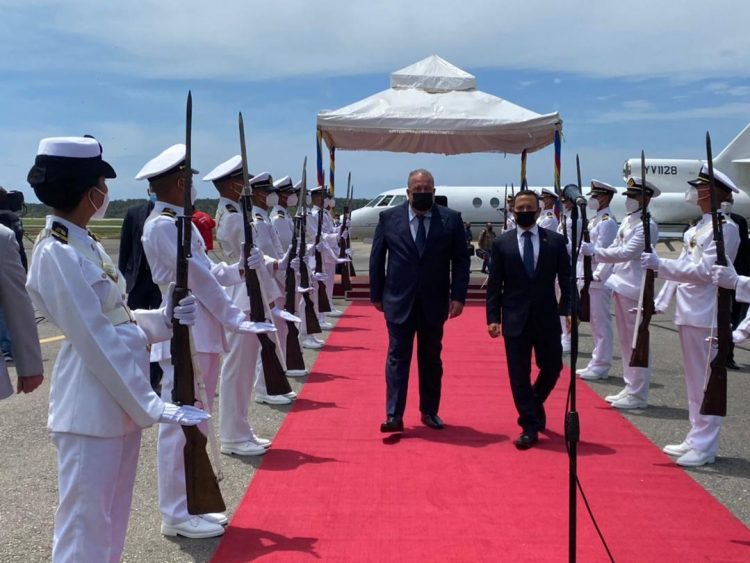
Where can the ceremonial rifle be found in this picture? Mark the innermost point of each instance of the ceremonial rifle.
(273, 371)
(201, 485)
(350, 264)
(715, 393)
(584, 301)
(311, 317)
(641, 337)
(324, 305)
(346, 282)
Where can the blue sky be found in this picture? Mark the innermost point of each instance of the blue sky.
(624, 76)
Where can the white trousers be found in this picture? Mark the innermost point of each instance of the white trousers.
(696, 354)
(601, 329)
(330, 270)
(95, 477)
(169, 451)
(236, 385)
(637, 380)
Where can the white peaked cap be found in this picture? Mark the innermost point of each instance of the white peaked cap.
(284, 183)
(164, 162)
(722, 180)
(71, 147)
(264, 181)
(298, 185)
(549, 191)
(225, 169)
(599, 186)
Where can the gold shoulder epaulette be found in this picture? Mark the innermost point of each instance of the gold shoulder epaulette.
(60, 232)
(605, 217)
(168, 212)
(281, 213)
(93, 236)
(231, 208)
(259, 217)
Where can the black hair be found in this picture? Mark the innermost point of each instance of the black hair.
(65, 193)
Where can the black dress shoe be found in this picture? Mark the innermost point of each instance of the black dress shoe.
(392, 424)
(433, 421)
(731, 364)
(526, 440)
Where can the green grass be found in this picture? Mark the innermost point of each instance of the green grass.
(103, 228)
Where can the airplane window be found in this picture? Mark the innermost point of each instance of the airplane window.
(385, 201)
(374, 201)
(398, 200)
(477, 202)
(494, 202)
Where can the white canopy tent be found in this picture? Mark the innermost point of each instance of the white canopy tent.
(434, 107)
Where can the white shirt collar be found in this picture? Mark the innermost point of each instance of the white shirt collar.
(413, 214)
(534, 230)
(73, 229)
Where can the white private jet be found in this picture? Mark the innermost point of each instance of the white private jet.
(484, 204)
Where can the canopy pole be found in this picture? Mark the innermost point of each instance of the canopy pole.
(319, 154)
(332, 170)
(524, 185)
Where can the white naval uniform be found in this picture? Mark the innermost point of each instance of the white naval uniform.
(283, 222)
(619, 268)
(510, 222)
(602, 232)
(101, 396)
(742, 294)
(329, 256)
(695, 317)
(215, 312)
(548, 220)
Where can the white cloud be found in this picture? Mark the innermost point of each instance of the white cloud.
(733, 110)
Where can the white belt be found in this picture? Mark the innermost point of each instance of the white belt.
(120, 316)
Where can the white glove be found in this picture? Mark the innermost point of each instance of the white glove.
(738, 336)
(344, 233)
(249, 327)
(320, 276)
(649, 261)
(587, 248)
(185, 312)
(255, 259)
(285, 315)
(304, 289)
(294, 263)
(185, 415)
(348, 252)
(724, 276)
(343, 260)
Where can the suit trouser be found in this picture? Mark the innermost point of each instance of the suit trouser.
(169, 451)
(529, 399)
(696, 354)
(280, 339)
(637, 380)
(96, 478)
(236, 384)
(601, 328)
(430, 366)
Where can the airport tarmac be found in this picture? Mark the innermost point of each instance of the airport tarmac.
(27, 457)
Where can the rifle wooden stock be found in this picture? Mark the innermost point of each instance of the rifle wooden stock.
(640, 352)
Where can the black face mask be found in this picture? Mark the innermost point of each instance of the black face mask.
(525, 218)
(422, 201)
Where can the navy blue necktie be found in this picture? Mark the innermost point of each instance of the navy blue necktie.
(421, 235)
(528, 254)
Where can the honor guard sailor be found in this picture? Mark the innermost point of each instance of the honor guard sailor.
(565, 229)
(101, 397)
(215, 313)
(510, 217)
(602, 232)
(548, 219)
(619, 268)
(238, 363)
(281, 220)
(695, 310)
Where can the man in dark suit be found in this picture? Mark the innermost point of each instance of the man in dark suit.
(424, 248)
(526, 261)
(143, 293)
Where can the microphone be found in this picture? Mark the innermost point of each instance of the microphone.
(573, 193)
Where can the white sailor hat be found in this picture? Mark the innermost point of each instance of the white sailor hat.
(227, 169)
(601, 188)
(722, 180)
(548, 192)
(263, 181)
(635, 187)
(298, 185)
(168, 161)
(284, 184)
(318, 190)
(60, 158)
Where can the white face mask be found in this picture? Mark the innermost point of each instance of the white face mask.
(193, 194)
(292, 200)
(99, 213)
(593, 204)
(632, 205)
(726, 207)
(332, 203)
(691, 195)
(272, 199)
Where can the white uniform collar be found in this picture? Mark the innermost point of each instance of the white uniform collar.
(73, 229)
(224, 201)
(160, 206)
(259, 211)
(601, 212)
(279, 209)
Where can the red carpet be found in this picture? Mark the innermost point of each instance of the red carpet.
(332, 488)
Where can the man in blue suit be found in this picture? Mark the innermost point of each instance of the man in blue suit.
(425, 282)
(526, 262)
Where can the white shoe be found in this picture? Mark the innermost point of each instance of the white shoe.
(216, 518)
(582, 370)
(291, 395)
(311, 343)
(677, 450)
(247, 448)
(591, 375)
(296, 373)
(695, 458)
(617, 396)
(195, 527)
(271, 399)
(325, 325)
(629, 402)
(260, 441)
(335, 313)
